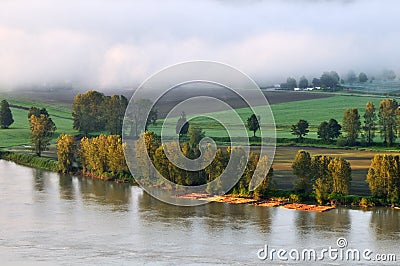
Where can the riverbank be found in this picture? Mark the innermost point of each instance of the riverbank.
(51, 164)
(280, 198)
(30, 160)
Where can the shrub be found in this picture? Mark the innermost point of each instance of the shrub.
(294, 198)
(342, 142)
(366, 202)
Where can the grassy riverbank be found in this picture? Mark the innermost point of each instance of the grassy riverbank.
(30, 160)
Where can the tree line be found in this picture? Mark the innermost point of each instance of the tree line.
(151, 142)
(385, 120)
(330, 80)
(384, 178)
(324, 175)
(101, 156)
(330, 178)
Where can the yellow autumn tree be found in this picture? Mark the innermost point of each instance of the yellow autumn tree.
(42, 130)
(66, 146)
(102, 154)
(115, 154)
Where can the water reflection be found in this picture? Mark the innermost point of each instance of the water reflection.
(263, 218)
(38, 180)
(304, 221)
(105, 193)
(386, 223)
(216, 217)
(45, 216)
(66, 187)
(335, 220)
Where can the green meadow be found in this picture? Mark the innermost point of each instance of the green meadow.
(19, 132)
(287, 113)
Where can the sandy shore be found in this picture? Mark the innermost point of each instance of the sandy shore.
(268, 203)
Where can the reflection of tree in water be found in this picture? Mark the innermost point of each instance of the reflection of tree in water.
(263, 218)
(153, 210)
(334, 220)
(385, 222)
(217, 217)
(38, 180)
(304, 223)
(66, 187)
(106, 193)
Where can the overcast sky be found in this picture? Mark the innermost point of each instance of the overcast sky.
(118, 43)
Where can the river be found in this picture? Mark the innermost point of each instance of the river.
(48, 219)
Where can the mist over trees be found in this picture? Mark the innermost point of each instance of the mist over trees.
(329, 80)
(362, 77)
(303, 83)
(388, 74)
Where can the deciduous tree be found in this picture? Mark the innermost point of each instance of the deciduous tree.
(351, 77)
(384, 177)
(328, 131)
(88, 112)
(114, 111)
(369, 122)
(330, 80)
(340, 172)
(302, 170)
(66, 147)
(362, 77)
(388, 110)
(291, 83)
(351, 125)
(37, 112)
(303, 83)
(300, 129)
(42, 130)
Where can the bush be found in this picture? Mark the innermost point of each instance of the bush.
(342, 142)
(366, 202)
(294, 198)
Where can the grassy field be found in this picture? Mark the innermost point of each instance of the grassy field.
(287, 113)
(19, 132)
